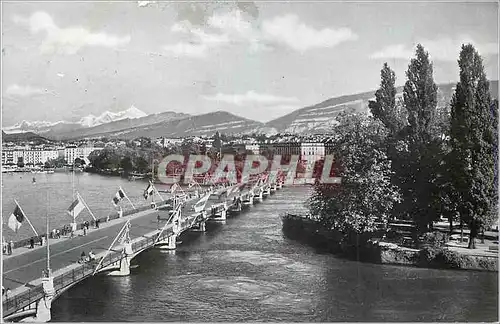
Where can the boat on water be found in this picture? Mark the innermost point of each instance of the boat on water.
(136, 176)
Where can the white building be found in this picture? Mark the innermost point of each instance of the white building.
(73, 152)
(254, 147)
(32, 157)
(312, 151)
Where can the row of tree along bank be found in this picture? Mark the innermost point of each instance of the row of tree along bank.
(412, 161)
(370, 247)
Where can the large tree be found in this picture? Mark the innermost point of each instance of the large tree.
(423, 139)
(385, 107)
(474, 145)
(366, 195)
(389, 110)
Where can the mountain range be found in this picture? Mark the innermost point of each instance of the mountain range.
(133, 123)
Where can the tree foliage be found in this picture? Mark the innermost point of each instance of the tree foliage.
(424, 141)
(366, 195)
(474, 143)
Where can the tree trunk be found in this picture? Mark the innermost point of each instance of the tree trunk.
(472, 241)
(461, 231)
(472, 234)
(450, 218)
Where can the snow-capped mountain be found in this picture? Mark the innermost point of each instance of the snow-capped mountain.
(108, 117)
(85, 122)
(26, 126)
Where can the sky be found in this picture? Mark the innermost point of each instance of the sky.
(258, 60)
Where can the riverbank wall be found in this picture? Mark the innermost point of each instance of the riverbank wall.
(367, 248)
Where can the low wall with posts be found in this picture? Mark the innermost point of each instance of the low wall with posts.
(112, 215)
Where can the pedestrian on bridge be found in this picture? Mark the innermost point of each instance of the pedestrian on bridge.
(83, 257)
(32, 243)
(10, 247)
(96, 223)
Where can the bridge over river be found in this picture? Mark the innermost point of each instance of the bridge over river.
(34, 280)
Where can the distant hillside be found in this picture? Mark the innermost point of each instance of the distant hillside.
(23, 137)
(206, 124)
(315, 119)
(113, 127)
(319, 118)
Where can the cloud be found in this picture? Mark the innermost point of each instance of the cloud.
(290, 31)
(15, 90)
(443, 49)
(236, 26)
(145, 3)
(67, 40)
(199, 41)
(250, 97)
(230, 21)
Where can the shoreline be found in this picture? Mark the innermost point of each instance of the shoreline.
(363, 248)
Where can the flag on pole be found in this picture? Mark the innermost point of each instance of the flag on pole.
(192, 183)
(149, 191)
(125, 238)
(16, 219)
(174, 187)
(118, 196)
(76, 207)
(200, 205)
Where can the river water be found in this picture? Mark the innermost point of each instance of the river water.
(245, 270)
(96, 190)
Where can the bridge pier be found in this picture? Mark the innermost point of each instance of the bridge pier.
(44, 305)
(219, 213)
(259, 197)
(124, 262)
(170, 243)
(201, 227)
(249, 201)
(237, 205)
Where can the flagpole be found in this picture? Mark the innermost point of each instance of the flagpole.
(113, 243)
(152, 177)
(86, 206)
(73, 188)
(127, 197)
(48, 244)
(25, 216)
(157, 192)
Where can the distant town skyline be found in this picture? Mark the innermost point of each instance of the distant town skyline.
(64, 61)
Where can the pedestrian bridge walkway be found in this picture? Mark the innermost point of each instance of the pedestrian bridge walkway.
(114, 244)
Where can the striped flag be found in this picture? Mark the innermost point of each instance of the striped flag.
(192, 184)
(118, 196)
(149, 191)
(16, 219)
(200, 205)
(76, 207)
(174, 187)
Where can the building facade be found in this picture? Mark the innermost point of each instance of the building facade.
(312, 151)
(73, 152)
(28, 157)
